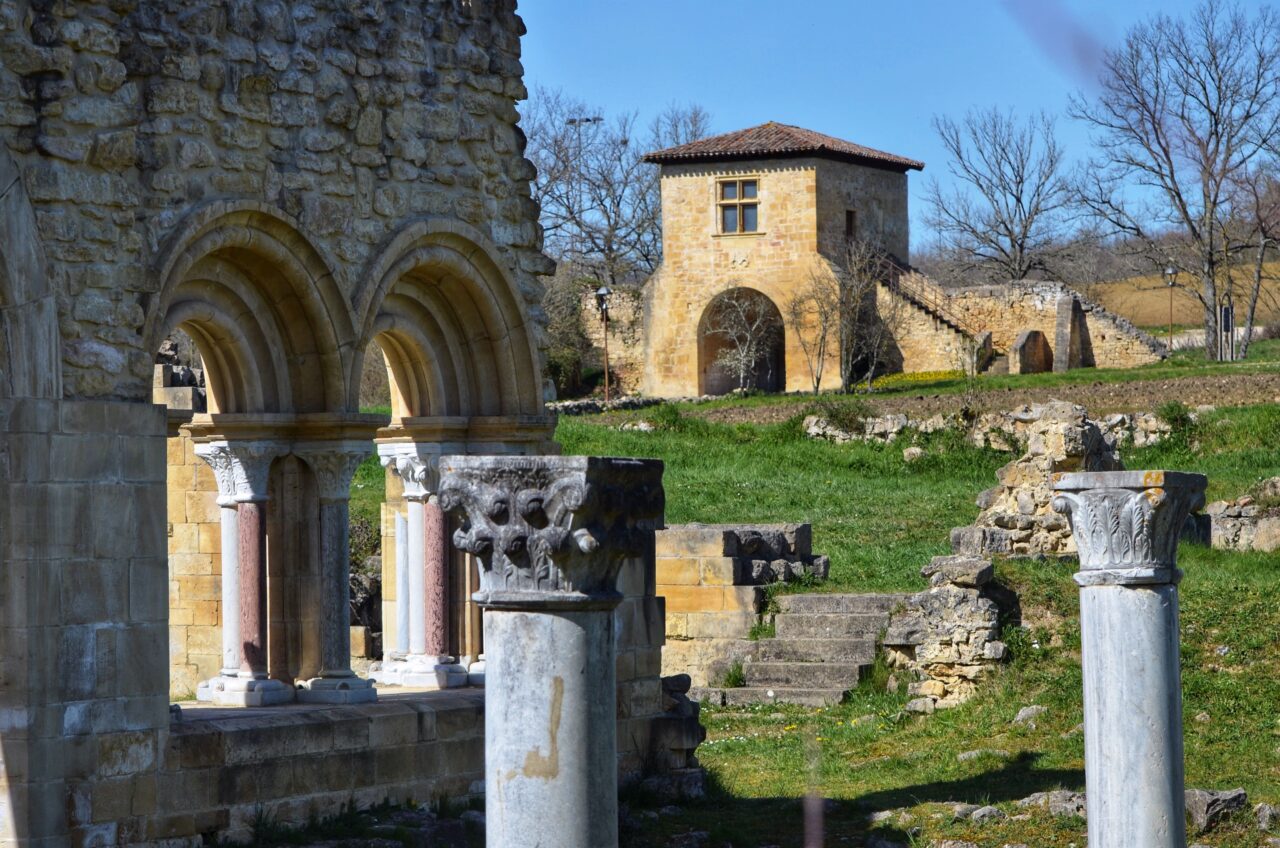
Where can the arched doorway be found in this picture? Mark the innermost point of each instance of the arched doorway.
(741, 344)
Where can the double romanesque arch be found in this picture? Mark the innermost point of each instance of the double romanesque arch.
(277, 333)
(452, 326)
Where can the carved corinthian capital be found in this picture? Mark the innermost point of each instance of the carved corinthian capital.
(415, 464)
(334, 464)
(1127, 523)
(552, 530)
(241, 468)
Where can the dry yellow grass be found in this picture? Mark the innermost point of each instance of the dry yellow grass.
(1145, 300)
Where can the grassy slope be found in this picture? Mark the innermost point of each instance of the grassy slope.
(880, 520)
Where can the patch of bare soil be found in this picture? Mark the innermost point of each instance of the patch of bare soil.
(1099, 398)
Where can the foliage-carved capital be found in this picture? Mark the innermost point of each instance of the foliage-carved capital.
(1128, 523)
(552, 531)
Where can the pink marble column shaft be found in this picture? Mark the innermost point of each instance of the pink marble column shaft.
(253, 589)
(436, 580)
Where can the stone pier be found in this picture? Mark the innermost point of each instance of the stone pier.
(552, 535)
(1126, 525)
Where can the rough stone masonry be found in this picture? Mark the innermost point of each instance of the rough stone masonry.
(291, 184)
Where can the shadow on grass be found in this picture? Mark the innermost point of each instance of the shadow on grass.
(779, 821)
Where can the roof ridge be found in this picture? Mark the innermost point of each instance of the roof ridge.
(774, 138)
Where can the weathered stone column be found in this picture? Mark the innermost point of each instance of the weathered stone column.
(426, 663)
(334, 465)
(219, 458)
(551, 534)
(1126, 525)
(402, 588)
(249, 464)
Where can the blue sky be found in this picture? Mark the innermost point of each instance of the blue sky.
(871, 72)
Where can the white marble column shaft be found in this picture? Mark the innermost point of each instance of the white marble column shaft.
(1126, 525)
(402, 586)
(551, 534)
(243, 469)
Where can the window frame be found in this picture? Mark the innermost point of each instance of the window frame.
(737, 203)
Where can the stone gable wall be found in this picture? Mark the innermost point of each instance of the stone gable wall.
(349, 119)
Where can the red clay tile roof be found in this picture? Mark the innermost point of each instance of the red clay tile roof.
(774, 139)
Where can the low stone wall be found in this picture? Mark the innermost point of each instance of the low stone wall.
(1008, 432)
(217, 770)
(712, 578)
(947, 636)
(1244, 525)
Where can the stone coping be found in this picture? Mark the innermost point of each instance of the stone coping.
(1083, 480)
(390, 702)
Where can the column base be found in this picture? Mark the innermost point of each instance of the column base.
(337, 690)
(421, 672)
(244, 692)
(475, 672)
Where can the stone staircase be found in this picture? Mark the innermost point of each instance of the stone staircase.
(824, 644)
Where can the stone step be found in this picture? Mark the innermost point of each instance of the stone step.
(803, 675)
(829, 625)
(828, 603)
(746, 695)
(816, 650)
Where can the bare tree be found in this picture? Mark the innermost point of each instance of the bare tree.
(813, 315)
(599, 202)
(872, 311)
(1255, 235)
(750, 326)
(1185, 109)
(1006, 216)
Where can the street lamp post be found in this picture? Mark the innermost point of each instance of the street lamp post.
(1171, 277)
(602, 303)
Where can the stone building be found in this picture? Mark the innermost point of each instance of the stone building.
(296, 186)
(760, 209)
(769, 208)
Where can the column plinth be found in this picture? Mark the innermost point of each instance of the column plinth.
(1126, 525)
(334, 465)
(551, 534)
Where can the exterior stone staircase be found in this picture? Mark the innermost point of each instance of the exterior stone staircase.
(824, 644)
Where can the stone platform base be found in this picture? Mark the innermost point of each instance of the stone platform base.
(420, 673)
(244, 692)
(341, 690)
(223, 768)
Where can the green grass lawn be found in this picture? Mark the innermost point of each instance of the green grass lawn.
(880, 519)
(1264, 356)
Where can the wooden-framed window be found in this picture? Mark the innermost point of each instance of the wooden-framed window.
(738, 205)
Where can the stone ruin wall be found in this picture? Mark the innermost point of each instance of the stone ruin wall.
(348, 119)
(1096, 337)
(127, 129)
(626, 339)
(712, 579)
